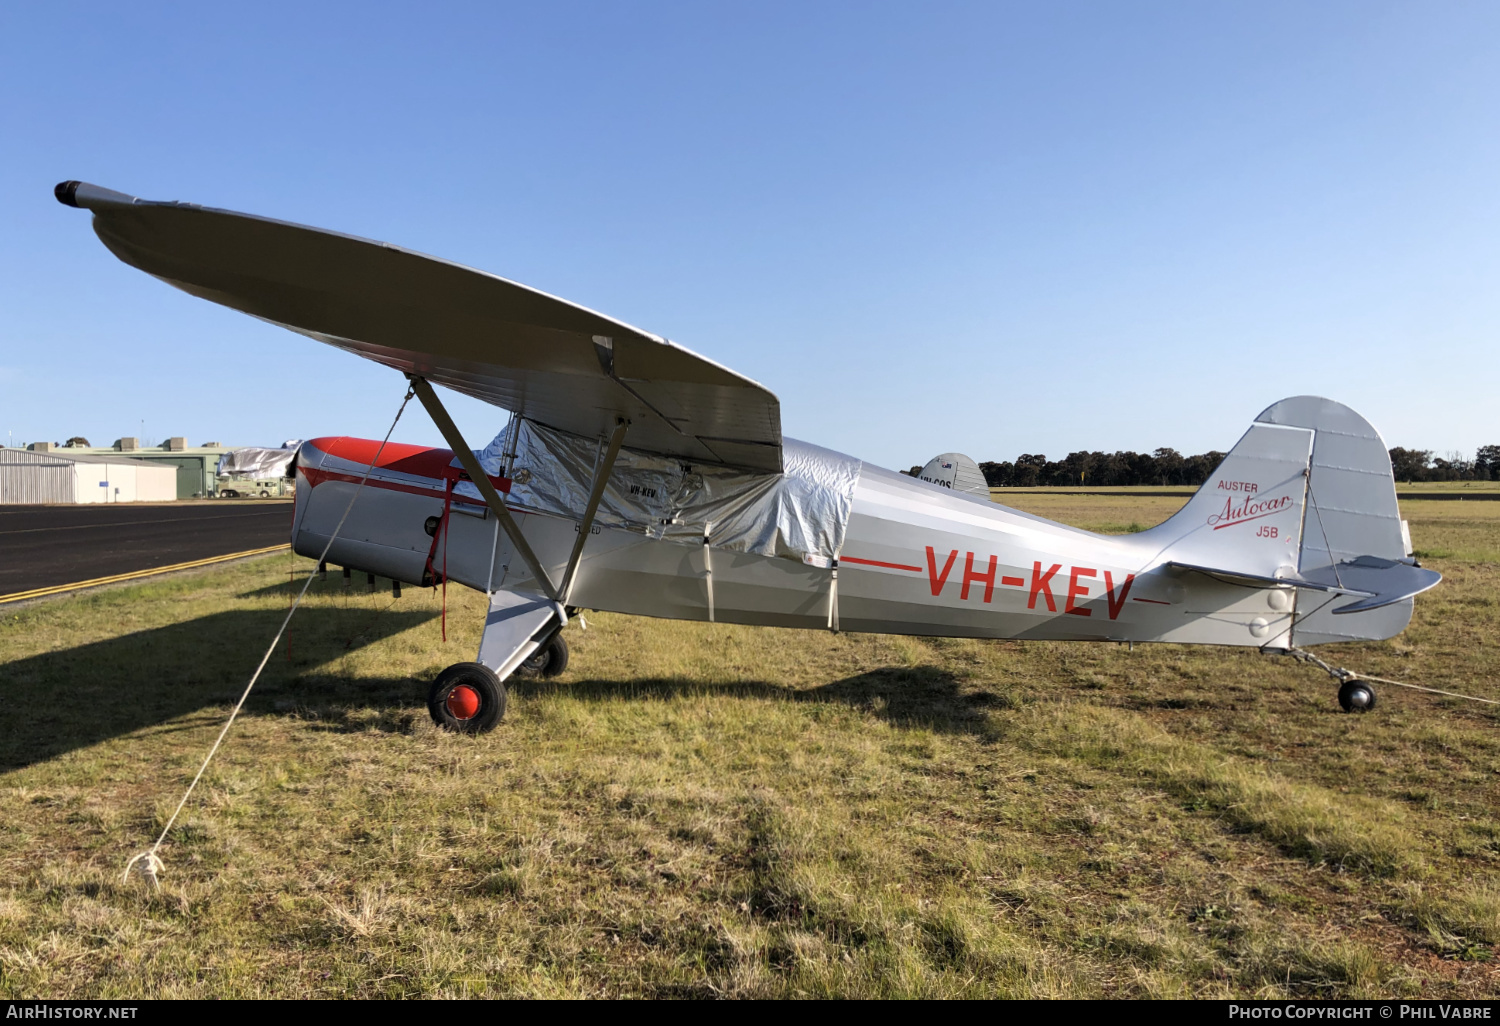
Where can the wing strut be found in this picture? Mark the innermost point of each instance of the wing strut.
(601, 478)
(481, 480)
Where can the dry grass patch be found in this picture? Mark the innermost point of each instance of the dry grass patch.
(703, 810)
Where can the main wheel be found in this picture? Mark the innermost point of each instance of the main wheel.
(1356, 696)
(467, 698)
(548, 661)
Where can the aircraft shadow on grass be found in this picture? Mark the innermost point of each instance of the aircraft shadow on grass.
(911, 696)
(58, 701)
(920, 696)
(356, 587)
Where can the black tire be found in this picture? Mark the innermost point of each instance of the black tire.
(548, 661)
(467, 698)
(1356, 696)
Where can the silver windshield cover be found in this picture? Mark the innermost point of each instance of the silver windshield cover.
(801, 513)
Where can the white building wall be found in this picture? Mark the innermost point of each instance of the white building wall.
(104, 482)
(86, 485)
(156, 483)
(121, 482)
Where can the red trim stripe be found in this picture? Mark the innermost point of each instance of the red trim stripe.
(876, 562)
(316, 477)
(1154, 602)
(416, 460)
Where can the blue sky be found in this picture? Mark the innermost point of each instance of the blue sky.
(993, 228)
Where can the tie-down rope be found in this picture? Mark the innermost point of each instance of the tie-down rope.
(1344, 676)
(149, 861)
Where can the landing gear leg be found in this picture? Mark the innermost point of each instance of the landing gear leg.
(1356, 696)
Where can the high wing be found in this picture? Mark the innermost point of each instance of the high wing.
(523, 350)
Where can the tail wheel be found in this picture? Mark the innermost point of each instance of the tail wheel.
(1356, 696)
(548, 661)
(467, 698)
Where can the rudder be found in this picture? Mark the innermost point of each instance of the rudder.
(1351, 513)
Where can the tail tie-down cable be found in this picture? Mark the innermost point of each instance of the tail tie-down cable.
(1344, 676)
(149, 861)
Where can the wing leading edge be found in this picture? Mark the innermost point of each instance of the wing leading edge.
(541, 357)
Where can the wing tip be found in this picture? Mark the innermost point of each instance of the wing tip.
(84, 196)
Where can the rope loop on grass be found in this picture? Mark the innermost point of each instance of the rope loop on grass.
(149, 861)
(151, 867)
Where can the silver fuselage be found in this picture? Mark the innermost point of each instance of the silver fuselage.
(916, 560)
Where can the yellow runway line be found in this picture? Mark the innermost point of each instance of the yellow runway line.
(134, 575)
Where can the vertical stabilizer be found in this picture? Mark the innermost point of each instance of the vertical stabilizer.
(1307, 497)
(956, 471)
(1352, 508)
(1248, 516)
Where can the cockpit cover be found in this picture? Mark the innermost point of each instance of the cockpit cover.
(801, 513)
(254, 462)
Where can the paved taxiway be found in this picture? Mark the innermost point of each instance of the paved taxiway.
(47, 546)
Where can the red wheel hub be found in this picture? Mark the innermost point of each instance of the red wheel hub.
(462, 702)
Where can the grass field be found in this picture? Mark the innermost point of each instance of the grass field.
(705, 810)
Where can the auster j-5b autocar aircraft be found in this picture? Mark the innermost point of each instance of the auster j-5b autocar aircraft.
(639, 477)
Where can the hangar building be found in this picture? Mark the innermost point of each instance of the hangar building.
(30, 477)
(196, 466)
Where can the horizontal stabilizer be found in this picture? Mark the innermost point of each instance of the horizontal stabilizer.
(1375, 582)
(1385, 581)
(1249, 580)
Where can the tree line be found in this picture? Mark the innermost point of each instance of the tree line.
(1162, 467)
(1170, 467)
(1422, 465)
